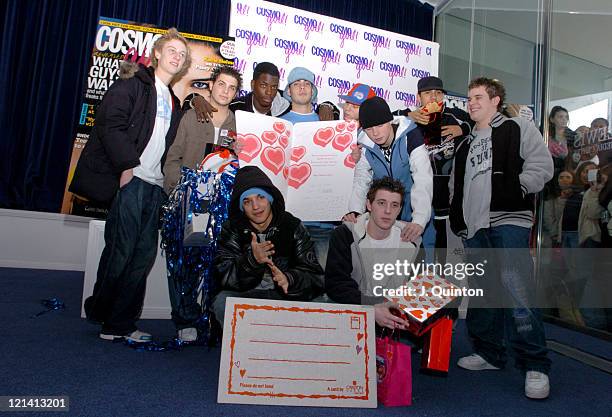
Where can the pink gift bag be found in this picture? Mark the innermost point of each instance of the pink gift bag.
(394, 372)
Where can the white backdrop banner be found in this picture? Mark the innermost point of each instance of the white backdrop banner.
(339, 52)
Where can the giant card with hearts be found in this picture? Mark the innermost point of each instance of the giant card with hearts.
(309, 162)
(425, 298)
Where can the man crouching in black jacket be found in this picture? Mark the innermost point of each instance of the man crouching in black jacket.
(264, 251)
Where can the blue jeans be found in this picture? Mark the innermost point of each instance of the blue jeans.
(512, 273)
(320, 233)
(130, 237)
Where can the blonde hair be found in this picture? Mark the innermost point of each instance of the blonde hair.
(172, 34)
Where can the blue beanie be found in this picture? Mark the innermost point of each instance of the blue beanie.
(255, 190)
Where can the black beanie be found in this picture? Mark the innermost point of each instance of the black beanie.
(373, 112)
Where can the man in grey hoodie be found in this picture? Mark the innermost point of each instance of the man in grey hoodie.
(496, 172)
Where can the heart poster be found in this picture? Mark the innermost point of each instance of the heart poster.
(309, 162)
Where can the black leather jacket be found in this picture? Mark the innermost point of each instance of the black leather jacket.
(236, 269)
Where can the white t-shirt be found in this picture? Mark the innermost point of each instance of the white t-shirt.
(150, 169)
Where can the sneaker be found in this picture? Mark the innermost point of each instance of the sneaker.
(537, 385)
(475, 362)
(136, 336)
(190, 334)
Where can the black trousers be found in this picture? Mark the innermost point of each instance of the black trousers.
(131, 239)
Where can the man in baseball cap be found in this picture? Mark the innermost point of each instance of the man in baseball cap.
(353, 99)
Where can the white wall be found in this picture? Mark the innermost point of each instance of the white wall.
(31, 239)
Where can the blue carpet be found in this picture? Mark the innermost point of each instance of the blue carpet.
(59, 353)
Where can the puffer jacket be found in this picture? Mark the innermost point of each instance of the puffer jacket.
(235, 267)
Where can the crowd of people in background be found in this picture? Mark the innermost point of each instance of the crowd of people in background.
(576, 214)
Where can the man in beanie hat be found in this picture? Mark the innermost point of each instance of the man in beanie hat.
(399, 152)
(264, 251)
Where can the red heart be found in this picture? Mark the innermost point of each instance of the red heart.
(417, 313)
(342, 141)
(273, 158)
(269, 137)
(298, 174)
(323, 136)
(283, 141)
(285, 172)
(352, 126)
(241, 314)
(340, 126)
(298, 153)
(349, 161)
(242, 372)
(359, 336)
(279, 127)
(251, 145)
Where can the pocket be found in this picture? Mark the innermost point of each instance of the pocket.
(131, 181)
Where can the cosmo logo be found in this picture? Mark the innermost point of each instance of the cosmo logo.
(409, 48)
(394, 70)
(408, 99)
(309, 25)
(117, 40)
(327, 55)
(419, 73)
(361, 63)
(343, 86)
(272, 16)
(290, 48)
(344, 32)
(381, 92)
(252, 38)
(378, 41)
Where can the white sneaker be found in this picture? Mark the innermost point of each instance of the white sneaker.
(475, 362)
(136, 336)
(537, 385)
(190, 334)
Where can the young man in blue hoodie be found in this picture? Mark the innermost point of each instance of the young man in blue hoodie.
(398, 151)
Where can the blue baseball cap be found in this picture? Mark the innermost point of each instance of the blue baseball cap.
(358, 94)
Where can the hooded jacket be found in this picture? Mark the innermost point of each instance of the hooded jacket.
(235, 267)
(521, 165)
(409, 164)
(347, 278)
(123, 127)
